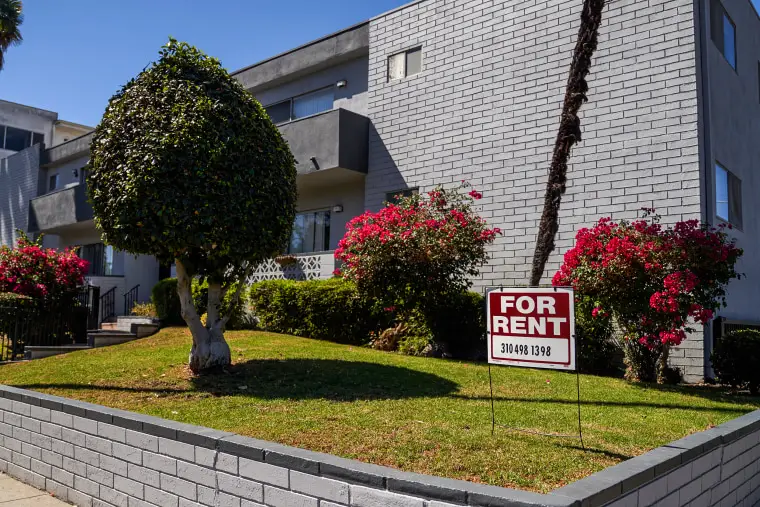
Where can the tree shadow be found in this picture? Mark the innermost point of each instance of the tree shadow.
(712, 392)
(602, 403)
(331, 379)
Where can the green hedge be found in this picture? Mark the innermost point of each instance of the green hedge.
(736, 358)
(322, 309)
(166, 301)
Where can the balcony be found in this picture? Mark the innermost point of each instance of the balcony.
(334, 142)
(59, 209)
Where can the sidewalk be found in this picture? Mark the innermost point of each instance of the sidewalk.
(17, 494)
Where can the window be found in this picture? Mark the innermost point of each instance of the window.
(313, 103)
(15, 139)
(311, 233)
(53, 183)
(393, 197)
(728, 196)
(405, 64)
(723, 32)
(301, 106)
(101, 259)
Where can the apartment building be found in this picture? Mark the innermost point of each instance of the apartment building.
(438, 91)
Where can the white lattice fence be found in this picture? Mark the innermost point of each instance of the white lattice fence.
(306, 267)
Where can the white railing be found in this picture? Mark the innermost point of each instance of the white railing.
(306, 267)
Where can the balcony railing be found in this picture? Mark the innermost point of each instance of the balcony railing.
(306, 267)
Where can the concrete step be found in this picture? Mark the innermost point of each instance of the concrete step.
(126, 322)
(104, 338)
(39, 351)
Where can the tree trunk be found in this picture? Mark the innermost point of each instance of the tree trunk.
(569, 133)
(209, 348)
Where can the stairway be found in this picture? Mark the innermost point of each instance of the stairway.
(125, 329)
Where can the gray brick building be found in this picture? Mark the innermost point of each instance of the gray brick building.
(438, 91)
(472, 89)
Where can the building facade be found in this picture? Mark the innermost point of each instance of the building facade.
(439, 91)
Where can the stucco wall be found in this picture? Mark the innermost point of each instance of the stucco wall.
(65, 172)
(28, 118)
(19, 178)
(352, 97)
(733, 125)
(350, 195)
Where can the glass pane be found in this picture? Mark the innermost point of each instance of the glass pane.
(729, 41)
(396, 66)
(17, 139)
(53, 183)
(322, 232)
(298, 235)
(721, 192)
(279, 113)
(108, 260)
(313, 103)
(413, 61)
(37, 138)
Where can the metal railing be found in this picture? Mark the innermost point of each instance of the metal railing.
(130, 298)
(108, 305)
(62, 323)
(89, 297)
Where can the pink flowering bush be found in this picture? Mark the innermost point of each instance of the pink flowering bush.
(419, 253)
(42, 274)
(655, 282)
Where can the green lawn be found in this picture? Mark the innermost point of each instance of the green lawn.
(424, 415)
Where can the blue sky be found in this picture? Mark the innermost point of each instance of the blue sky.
(77, 53)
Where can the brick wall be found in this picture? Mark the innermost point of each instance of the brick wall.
(19, 174)
(486, 106)
(93, 456)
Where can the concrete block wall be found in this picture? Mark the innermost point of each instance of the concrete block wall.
(94, 456)
(19, 180)
(486, 105)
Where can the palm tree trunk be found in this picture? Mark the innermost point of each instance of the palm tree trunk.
(569, 134)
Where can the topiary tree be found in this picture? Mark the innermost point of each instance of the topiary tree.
(187, 166)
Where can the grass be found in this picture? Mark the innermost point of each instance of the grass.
(418, 414)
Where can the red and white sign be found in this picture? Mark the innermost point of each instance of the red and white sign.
(531, 327)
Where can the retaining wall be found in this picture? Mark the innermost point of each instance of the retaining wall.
(94, 456)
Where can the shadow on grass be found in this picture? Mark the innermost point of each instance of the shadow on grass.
(600, 403)
(298, 379)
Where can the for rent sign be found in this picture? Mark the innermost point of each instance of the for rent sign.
(531, 327)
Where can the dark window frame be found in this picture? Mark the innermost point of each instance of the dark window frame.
(717, 15)
(290, 101)
(406, 52)
(53, 186)
(392, 197)
(734, 202)
(31, 134)
(326, 233)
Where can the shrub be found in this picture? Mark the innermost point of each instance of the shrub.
(47, 275)
(12, 300)
(656, 282)
(597, 351)
(144, 310)
(736, 358)
(414, 254)
(165, 299)
(323, 309)
(458, 325)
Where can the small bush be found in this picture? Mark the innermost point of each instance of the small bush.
(13, 300)
(597, 352)
(736, 358)
(458, 325)
(322, 309)
(144, 310)
(165, 299)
